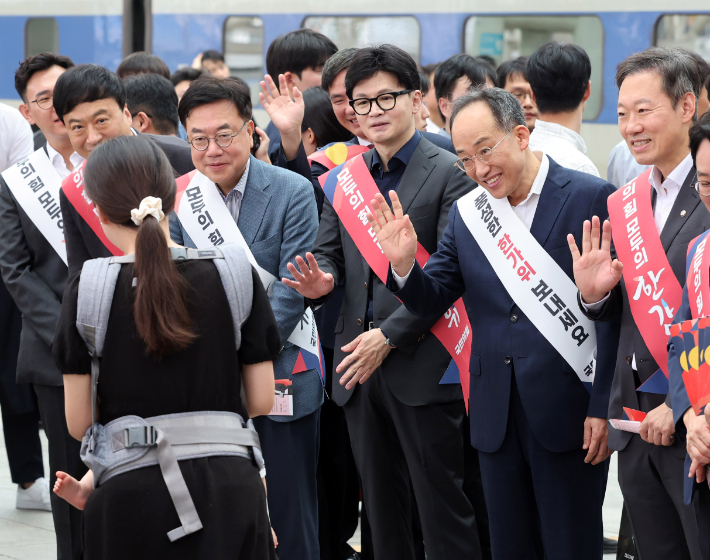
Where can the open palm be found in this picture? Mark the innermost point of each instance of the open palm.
(285, 113)
(595, 273)
(395, 233)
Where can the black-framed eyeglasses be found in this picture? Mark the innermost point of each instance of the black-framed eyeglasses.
(223, 139)
(702, 187)
(483, 155)
(385, 101)
(44, 102)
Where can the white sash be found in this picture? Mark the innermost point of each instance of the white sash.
(533, 279)
(208, 221)
(36, 184)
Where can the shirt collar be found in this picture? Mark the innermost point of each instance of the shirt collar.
(404, 154)
(55, 157)
(363, 142)
(240, 186)
(554, 130)
(676, 177)
(540, 179)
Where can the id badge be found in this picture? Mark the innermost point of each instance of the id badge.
(283, 398)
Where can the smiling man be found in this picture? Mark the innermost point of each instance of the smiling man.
(538, 422)
(91, 102)
(402, 422)
(661, 212)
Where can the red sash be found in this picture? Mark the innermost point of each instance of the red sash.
(336, 154)
(653, 291)
(73, 187)
(697, 276)
(347, 188)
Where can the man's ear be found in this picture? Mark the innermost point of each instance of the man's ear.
(290, 80)
(444, 107)
(142, 122)
(25, 110)
(588, 91)
(416, 101)
(127, 114)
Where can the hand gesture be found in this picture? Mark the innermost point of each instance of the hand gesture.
(395, 233)
(286, 114)
(311, 283)
(594, 272)
(262, 152)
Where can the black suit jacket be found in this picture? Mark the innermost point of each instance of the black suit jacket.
(82, 243)
(35, 275)
(412, 371)
(678, 231)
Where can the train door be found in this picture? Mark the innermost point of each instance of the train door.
(137, 26)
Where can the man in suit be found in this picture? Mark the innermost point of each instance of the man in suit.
(658, 89)
(35, 274)
(540, 434)
(276, 214)
(91, 102)
(403, 424)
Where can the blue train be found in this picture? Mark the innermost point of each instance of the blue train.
(102, 31)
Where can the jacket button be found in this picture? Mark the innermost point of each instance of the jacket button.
(513, 318)
(366, 285)
(628, 359)
(359, 322)
(507, 360)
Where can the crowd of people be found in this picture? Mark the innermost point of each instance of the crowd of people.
(277, 364)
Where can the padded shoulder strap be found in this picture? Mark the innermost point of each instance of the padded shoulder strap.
(235, 270)
(96, 287)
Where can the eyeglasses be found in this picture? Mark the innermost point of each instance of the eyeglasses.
(223, 139)
(385, 101)
(44, 102)
(521, 95)
(703, 188)
(484, 155)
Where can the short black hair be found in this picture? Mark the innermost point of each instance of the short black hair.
(142, 63)
(699, 132)
(382, 58)
(38, 63)
(210, 89)
(335, 65)
(186, 74)
(156, 97)
(558, 74)
(487, 58)
(510, 68)
(213, 55)
(296, 51)
(321, 119)
(489, 67)
(424, 83)
(703, 65)
(455, 67)
(87, 83)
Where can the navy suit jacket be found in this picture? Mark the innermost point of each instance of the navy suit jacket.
(556, 402)
(278, 220)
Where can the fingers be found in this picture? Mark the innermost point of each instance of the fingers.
(396, 206)
(573, 247)
(298, 97)
(374, 224)
(602, 455)
(596, 233)
(347, 361)
(312, 263)
(262, 135)
(606, 236)
(643, 431)
(593, 447)
(617, 268)
(586, 237)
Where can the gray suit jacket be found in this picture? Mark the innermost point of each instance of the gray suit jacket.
(279, 220)
(412, 371)
(35, 276)
(678, 231)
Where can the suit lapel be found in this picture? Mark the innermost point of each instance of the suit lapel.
(552, 199)
(415, 175)
(254, 203)
(683, 207)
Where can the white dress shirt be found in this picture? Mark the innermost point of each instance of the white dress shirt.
(59, 164)
(622, 166)
(16, 141)
(363, 142)
(233, 200)
(525, 210)
(432, 127)
(563, 145)
(666, 193)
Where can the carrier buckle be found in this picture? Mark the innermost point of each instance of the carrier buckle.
(141, 436)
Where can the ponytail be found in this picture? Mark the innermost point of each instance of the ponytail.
(121, 176)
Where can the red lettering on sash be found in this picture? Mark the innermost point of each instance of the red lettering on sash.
(73, 187)
(355, 186)
(336, 154)
(653, 291)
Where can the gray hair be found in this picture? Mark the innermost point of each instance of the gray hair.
(678, 70)
(506, 109)
(335, 65)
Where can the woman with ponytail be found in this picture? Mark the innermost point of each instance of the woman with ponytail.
(170, 348)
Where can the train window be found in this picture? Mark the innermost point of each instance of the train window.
(350, 31)
(506, 37)
(41, 35)
(244, 50)
(690, 31)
